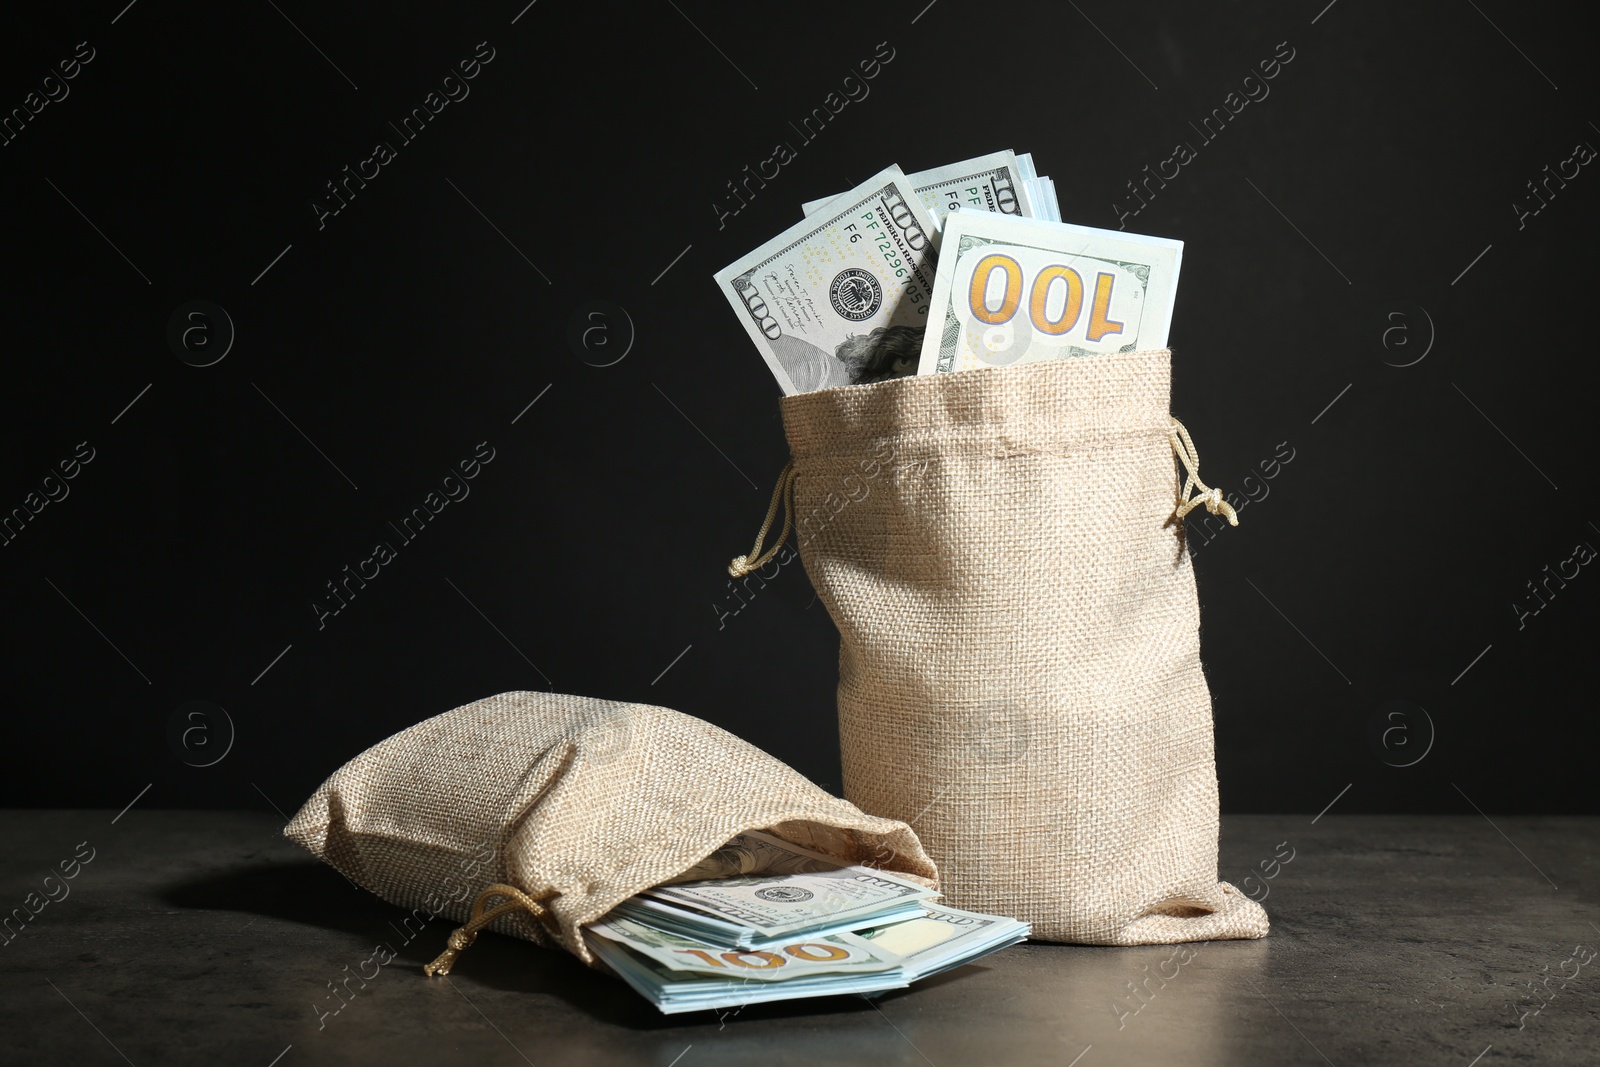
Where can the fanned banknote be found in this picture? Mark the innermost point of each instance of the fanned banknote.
(840, 954)
(678, 974)
(677, 991)
(943, 937)
(995, 182)
(754, 852)
(687, 945)
(1041, 190)
(842, 298)
(1012, 290)
(773, 905)
(759, 911)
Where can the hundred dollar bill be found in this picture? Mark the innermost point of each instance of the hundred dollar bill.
(678, 991)
(775, 906)
(754, 852)
(842, 953)
(1013, 290)
(1042, 191)
(828, 917)
(841, 298)
(994, 182)
(905, 951)
(771, 906)
(944, 938)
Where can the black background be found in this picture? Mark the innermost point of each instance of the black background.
(415, 325)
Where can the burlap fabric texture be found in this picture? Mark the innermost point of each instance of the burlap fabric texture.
(581, 801)
(1019, 653)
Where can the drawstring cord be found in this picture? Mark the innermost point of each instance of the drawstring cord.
(464, 936)
(1189, 456)
(783, 494)
(740, 566)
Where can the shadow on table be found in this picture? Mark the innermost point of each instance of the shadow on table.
(309, 893)
(312, 894)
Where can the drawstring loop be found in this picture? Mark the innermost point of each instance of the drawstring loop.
(740, 566)
(783, 494)
(1189, 456)
(464, 936)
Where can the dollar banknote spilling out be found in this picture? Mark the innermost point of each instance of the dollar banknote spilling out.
(976, 250)
(769, 920)
(1001, 181)
(1020, 291)
(842, 297)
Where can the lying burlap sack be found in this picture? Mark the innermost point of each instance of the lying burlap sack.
(563, 806)
(1019, 656)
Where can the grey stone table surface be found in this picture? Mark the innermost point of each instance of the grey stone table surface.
(206, 938)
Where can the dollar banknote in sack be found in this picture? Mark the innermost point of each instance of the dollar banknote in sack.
(841, 298)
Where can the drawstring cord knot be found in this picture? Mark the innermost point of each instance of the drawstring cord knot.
(1189, 456)
(482, 915)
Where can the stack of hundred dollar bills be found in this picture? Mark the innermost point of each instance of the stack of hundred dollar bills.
(762, 919)
(959, 267)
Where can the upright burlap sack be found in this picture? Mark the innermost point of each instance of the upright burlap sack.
(1019, 653)
(570, 805)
